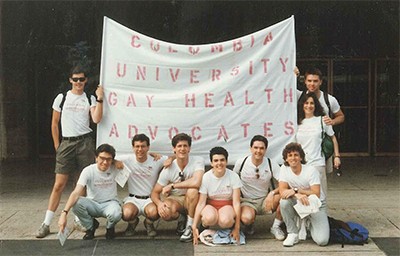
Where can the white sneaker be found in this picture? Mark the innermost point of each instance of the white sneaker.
(187, 236)
(278, 233)
(291, 240)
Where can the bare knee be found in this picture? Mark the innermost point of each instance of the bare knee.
(129, 212)
(151, 212)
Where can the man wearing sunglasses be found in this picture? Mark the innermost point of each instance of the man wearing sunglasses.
(102, 198)
(76, 149)
(177, 190)
(259, 196)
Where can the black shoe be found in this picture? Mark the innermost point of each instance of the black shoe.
(202, 228)
(90, 232)
(110, 233)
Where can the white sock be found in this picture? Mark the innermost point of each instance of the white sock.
(276, 223)
(48, 217)
(189, 221)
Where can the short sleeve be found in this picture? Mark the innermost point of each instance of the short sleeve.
(57, 102)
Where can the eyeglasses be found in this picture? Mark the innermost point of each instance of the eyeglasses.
(181, 176)
(80, 79)
(257, 174)
(107, 159)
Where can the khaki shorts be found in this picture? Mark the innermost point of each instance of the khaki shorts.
(257, 204)
(73, 156)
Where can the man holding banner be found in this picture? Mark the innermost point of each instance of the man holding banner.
(177, 190)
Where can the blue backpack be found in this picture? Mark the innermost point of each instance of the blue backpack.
(347, 232)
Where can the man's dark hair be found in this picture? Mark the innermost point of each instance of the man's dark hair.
(140, 137)
(318, 111)
(259, 138)
(218, 151)
(181, 137)
(77, 70)
(313, 71)
(293, 147)
(105, 148)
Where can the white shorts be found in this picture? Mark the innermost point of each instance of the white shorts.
(139, 203)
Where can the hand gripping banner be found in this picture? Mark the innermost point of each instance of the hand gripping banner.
(221, 94)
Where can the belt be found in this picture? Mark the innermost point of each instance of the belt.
(139, 197)
(77, 137)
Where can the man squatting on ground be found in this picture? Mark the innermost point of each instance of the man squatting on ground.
(258, 197)
(144, 174)
(176, 192)
(102, 198)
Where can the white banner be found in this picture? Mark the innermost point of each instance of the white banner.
(221, 94)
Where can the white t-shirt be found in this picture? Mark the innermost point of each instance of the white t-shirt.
(252, 187)
(309, 136)
(75, 114)
(335, 107)
(171, 174)
(100, 186)
(308, 177)
(220, 188)
(143, 175)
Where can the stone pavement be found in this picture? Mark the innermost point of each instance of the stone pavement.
(368, 192)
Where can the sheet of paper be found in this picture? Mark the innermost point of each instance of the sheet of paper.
(122, 176)
(62, 236)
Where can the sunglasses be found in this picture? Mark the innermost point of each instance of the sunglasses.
(80, 79)
(257, 173)
(181, 176)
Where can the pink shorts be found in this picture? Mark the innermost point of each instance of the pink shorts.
(217, 204)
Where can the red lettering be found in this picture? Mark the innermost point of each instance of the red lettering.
(171, 50)
(228, 99)
(141, 73)
(252, 41)
(153, 134)
(267, 129)
(237, 45)
(222, 133)
(268, 92)
(268, 38)
(130, 133)
(283, 64)
(265, 62)
(133, 42)
(215, 73)
(215, 48)
(156, 47)
(194, 50)
(289, 128)
(194, 137)
(287, 94)
(114, 131)
(247, 101)
(119, 70)
(193, 75)
(235, 71)
(131, 100)
(207, 100)
(251, 68)
(112, 99)
(171, 130)
(149, 100)
(157, 73)
(188, 100)
(174, 76)
(245, 131)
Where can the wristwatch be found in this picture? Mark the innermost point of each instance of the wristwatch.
(296, 190)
